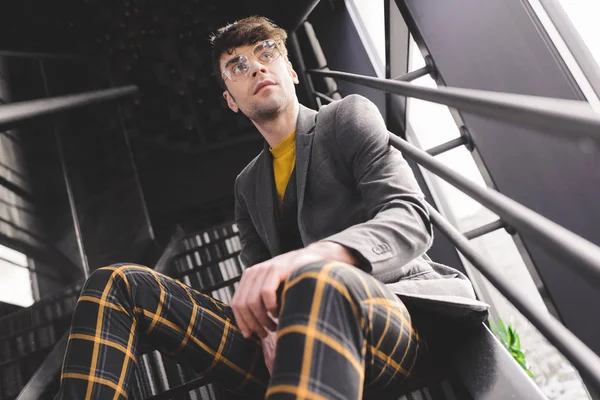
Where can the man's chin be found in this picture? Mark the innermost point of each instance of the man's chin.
(268, 109)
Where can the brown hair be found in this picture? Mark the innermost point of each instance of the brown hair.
(244, 32)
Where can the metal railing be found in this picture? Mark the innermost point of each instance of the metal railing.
(14, 113)
(547, 116)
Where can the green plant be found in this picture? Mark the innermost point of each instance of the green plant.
(509, 338)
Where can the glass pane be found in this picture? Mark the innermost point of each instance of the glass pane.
(432, 122)
(13, 256)
(372, 16)
(433, 125)
(15, 284)
(467, 213)
(584, 16)
(500, 247)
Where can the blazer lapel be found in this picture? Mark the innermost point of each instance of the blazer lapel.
(304, 138)
(265, 200)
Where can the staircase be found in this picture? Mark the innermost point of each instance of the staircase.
(469, 365)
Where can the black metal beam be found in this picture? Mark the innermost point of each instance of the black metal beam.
(449, 145)
(16, 189)
(303, 14)
(586, 361)
(74, 214)
(388, 57)
(581, 255)
(416, 74)
(47, 56)
(14, 113)
(324, 97)
(484, 229)
(306, 84)
(567, 119)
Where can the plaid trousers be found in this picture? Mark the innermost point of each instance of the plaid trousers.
(341, 334)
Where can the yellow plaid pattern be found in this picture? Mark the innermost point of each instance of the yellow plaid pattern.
(341, 322)
(335, 321)
(122, 302)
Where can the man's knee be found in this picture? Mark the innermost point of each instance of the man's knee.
(329, 272)
(334, 278)
(116, 274)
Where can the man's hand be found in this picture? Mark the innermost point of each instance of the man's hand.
(256, 295)
(269, 344)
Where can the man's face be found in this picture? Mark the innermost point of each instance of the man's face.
(262, 90)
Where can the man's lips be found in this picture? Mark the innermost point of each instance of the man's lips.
(263, 84)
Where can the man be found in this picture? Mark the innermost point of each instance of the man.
(328, 215)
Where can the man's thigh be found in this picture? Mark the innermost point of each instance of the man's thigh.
(353, 322)
(190, 327)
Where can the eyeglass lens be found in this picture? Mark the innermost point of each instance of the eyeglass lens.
(265, 52)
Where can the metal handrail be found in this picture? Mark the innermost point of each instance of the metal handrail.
(583, 255)
(13, 113)
(563, 118)
(570, 345)
(47, 56)
(552, 114)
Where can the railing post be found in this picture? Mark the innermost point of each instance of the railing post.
(308, 86)
(485, 229)
(463, 140)
(72, 206)
(416, 74)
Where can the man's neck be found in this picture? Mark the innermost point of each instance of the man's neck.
(277, 129)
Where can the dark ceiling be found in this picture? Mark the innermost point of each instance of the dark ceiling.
(186, 147)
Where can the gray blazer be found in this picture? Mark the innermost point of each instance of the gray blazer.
(355, 189)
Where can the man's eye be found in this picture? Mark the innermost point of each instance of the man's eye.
(238, 68)
(267, 55)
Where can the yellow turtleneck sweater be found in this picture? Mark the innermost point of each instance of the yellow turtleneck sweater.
(284, 159)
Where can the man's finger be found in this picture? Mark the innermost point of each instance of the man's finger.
(268, 295)
(239, 303)
(256, 304)
(249, 306)
(258, 321)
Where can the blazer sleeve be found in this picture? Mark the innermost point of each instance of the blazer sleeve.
(398, 228)
(253, 250)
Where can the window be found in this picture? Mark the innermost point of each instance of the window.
(15, 278)
(433, 124)
(368, 17)
(584, 16)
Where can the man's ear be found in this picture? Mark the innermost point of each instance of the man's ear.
(293, 73)
(231, 101)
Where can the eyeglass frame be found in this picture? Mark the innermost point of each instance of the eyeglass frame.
(225, 73)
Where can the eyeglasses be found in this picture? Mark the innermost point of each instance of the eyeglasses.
(238, 67)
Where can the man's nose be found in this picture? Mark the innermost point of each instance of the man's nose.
(257, 67)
